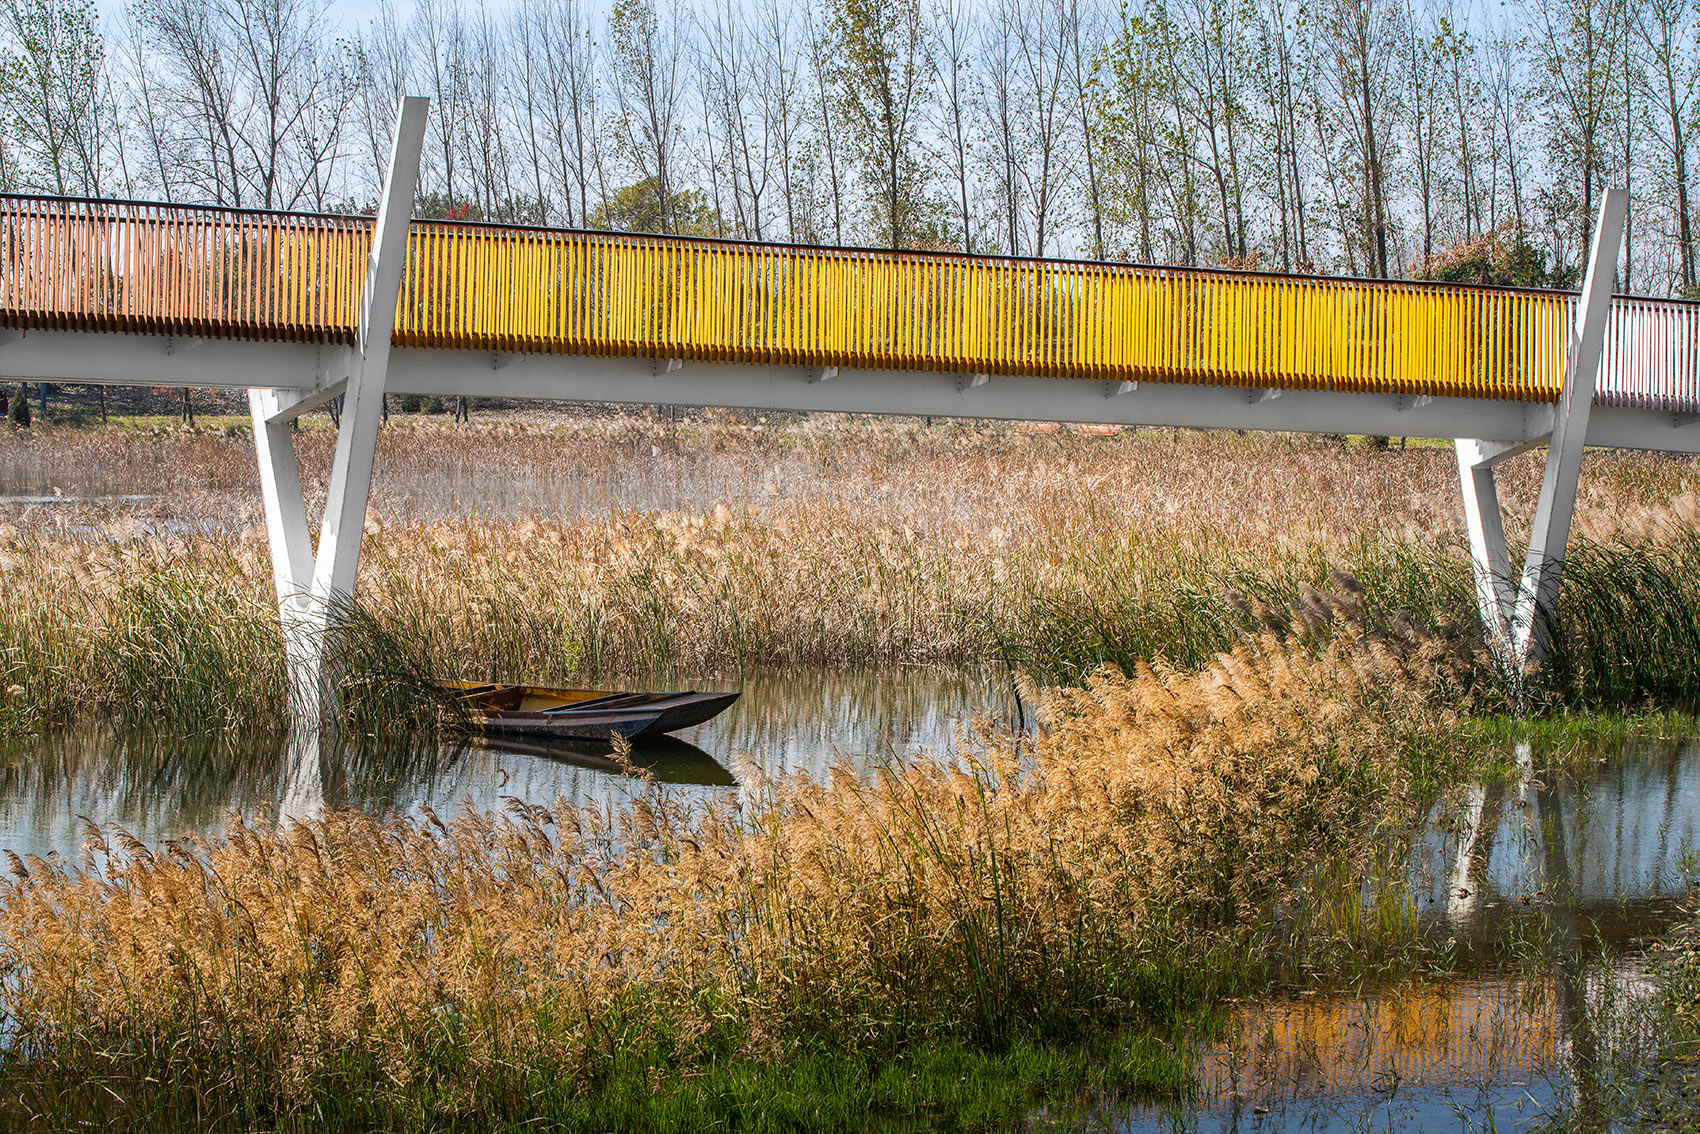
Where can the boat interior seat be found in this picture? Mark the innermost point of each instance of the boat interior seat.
(606, 701)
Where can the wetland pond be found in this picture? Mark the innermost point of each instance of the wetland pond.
(1548, 899)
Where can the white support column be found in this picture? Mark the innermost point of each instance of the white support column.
(1496, 595)
(1537, 597)
(308, 587)
(290, 541)
(363, 403)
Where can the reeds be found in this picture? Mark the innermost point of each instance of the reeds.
(666, 551)
(418, 973)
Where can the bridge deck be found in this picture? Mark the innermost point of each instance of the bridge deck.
(116, 266)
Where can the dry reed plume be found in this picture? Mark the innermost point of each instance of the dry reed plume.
(1033, 888)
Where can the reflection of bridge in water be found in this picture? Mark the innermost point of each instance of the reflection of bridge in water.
(302, 309)
(1423, 1036)
(1591, 872)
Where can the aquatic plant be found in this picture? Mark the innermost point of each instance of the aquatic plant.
(497, 968)
(724, 545)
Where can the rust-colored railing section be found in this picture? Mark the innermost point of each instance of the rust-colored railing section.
(170, 269)
(120, 266)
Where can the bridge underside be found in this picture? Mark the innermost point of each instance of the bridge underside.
(306, 375)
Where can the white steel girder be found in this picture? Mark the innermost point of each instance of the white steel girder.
(305, 377)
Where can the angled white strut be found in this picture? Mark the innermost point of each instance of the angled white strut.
(1518, 617)
(310, 587)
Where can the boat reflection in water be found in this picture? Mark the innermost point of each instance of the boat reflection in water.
(665, 759)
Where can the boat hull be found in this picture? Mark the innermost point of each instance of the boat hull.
(540, 712)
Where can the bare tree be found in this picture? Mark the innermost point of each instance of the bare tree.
(779, 64)
(193, 89)
(1081, 26)
(1359, 43)
(485, 133)
(828, 124)
(1577, 66)
(571, 105)
(1008, 145)
(1279, 64)
(1460, 99)
(251, 99)
(954, 32)
(729, 73)
(1211, 93)
(1422, 69)
(1667, 41)
(880, 66)
(439, 30)
(383, 76)
(52, 82)
(1038, 54)
(1510, 118)
(648, 59)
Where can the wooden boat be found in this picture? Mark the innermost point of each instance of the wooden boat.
(583, 714)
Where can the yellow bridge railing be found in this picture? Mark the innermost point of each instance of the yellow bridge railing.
(538, 290)
(138, 267)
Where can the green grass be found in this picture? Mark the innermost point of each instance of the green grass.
(1627, 637)
(1629, 625)
(947, 1087)
(1185, 605)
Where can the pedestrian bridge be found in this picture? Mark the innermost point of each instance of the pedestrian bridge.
(495, 294)
(303, 308)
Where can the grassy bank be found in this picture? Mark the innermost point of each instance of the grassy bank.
(1115, 873)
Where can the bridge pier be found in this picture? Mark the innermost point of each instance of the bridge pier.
(1518, 618)
(312, 586)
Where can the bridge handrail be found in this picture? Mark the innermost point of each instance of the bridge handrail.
(146, 266)
(515, 288)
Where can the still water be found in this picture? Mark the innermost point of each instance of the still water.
(1548, 896)
(153, 787)
(1548, 902)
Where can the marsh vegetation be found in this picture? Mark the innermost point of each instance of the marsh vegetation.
(1257, 674)
(593, 550)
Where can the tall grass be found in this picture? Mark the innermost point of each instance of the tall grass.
(413, 973)
(1629, 623)
(833, 541)
(183, 633)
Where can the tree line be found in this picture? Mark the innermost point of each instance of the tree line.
(1367, 137)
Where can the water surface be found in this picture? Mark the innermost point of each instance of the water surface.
(158, 787)
(1540, 897)
(1543, 900)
